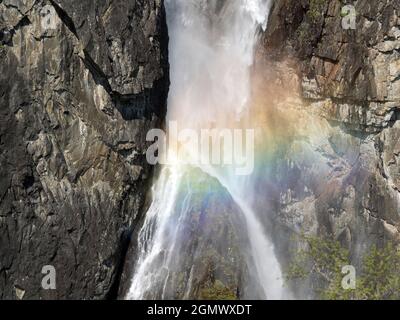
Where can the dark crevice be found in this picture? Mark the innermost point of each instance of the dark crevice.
(131, 106)
(128, 253)
(396, 79)
(65, 18)
(355, 77)
(6, 35)
(327, 59)
(28, 181)
(124, 246)
(142, 105)
(395, 117)
(97, 73)
(356, 101)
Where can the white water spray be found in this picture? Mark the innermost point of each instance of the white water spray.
(211, 51)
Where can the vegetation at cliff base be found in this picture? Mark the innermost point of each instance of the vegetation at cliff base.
(321, 262)
(217, 292)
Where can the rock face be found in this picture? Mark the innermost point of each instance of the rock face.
(353, 74)
(338, 172)
(81, 83)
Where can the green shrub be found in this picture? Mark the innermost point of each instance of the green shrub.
(321, 263)
(217, 292)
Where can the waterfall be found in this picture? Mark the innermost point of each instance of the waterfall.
(211, 52)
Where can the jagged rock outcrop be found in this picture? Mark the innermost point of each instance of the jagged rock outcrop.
(81, 82)
(338, 170)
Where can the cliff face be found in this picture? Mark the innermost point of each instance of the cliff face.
(81, 83)
(339, 172)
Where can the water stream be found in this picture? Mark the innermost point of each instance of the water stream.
(211, 53)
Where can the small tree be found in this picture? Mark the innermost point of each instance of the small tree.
(381, 274)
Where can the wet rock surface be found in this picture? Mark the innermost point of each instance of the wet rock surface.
(81, 83)
(206, 255)
(338, 169)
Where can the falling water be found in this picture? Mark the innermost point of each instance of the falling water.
(211, 51)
